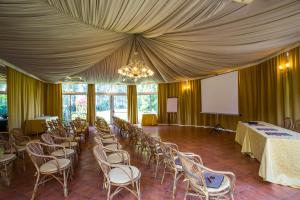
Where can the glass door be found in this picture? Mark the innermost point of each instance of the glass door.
(103, 108)
(120, 106)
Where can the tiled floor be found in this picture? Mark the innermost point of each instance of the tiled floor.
(218, 152)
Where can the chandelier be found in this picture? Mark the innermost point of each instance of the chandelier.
(136, 68)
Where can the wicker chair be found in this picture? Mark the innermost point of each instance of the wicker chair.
(67, 142)
(155, 153)
(57, 150)
(6, 161)
(48, 167)
(118, 176)
(288, 123)
(111, 146)
(116, 156)
(18, 142)
(196, 184)
(297, 125)
(171, 163)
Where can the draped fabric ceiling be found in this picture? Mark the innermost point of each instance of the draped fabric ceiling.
(179, 39)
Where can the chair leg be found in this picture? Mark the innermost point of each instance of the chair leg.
(65, 183)
(108, 192)
(174, 185)
(138, 189)
(156, 167)
(35, 186)
(162, 179)
(187, 190)
(23, 158)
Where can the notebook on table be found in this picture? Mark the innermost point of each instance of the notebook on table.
(266, 129)
(253, 123)
(213, 180)
(278, 133)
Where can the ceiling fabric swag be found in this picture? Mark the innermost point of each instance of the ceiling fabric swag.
(178, 40)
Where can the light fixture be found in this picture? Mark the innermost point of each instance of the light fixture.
(287, 64)
(136, 68)
(186, 86)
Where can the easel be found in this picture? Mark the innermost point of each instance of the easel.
(218, 128)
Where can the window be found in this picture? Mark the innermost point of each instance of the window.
(3, 100)
(74, 101)
(111, 100)
(147, 99)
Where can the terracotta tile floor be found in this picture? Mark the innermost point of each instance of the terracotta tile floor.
(218, 152)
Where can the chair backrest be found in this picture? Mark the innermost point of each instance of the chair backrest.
(193, 172)
(35, 151)
(297, 125)
(101, 159)
(46, 137)
(16, 135)
(169, 154)
(288, 123)
(98, 140)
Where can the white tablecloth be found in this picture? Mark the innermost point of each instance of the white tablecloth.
(279, 156)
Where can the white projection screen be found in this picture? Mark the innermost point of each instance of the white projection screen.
(219, 94)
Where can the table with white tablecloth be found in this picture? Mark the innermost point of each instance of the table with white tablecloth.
(279, 155)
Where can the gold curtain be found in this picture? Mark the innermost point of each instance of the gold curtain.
(53, 100)
(25, 98)
(91, 101)
(132, 103)
(265, 93)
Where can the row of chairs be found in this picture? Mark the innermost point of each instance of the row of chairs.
(177, 163)
(54, 154)
(118, 173)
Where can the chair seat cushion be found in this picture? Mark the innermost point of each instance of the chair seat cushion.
(51, 167)
(69, 144)
(112, 146)
(118, 176)
(115, 158)
(108, 140)
(225, 185)
(7, 157)
(60, 152)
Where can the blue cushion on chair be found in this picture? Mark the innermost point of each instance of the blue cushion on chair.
(213, 180)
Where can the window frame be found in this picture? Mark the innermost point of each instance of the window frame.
(70, 94)
(111, 96)
(147, 93)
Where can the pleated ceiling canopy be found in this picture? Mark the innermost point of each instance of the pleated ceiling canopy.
(177, 39)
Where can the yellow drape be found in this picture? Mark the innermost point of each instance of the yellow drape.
(91, 104)
(25, 98)
(265, 93)
(53, 99)
(132, 103)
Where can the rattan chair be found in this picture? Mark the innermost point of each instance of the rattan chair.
(6, 161)
(297, 125)
(48, 167)
(288, 123)
(116, 156)
(119, 176)
(59, 151)
(18, 142)
(155, 153)
(67, 142)
(113, 145)
(196, 184)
